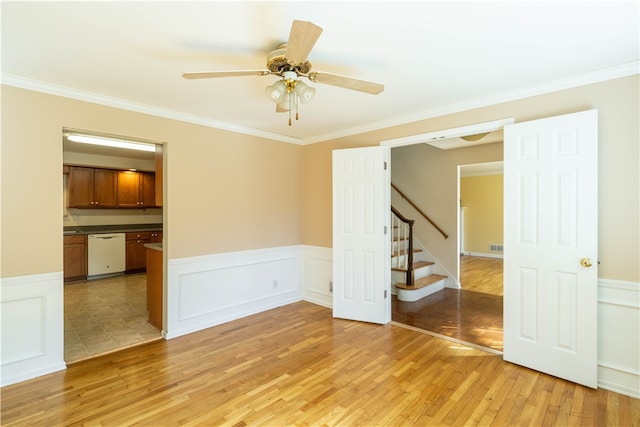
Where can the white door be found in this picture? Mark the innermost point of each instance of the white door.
(361, 257)
(551, 246)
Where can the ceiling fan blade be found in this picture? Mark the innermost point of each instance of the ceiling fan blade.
(302, 38)
(214, 74)
(346, 82)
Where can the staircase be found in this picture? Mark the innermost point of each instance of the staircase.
(412, 274)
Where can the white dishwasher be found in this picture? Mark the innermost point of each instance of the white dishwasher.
(106, 254)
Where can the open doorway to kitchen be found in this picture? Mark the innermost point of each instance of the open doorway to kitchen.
(112, 216)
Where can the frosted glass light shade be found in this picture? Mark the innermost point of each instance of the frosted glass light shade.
(276, 91)
(286, 100)
(305, 93)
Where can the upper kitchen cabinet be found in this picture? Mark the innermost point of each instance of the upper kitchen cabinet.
(136, 189)
(92, 188)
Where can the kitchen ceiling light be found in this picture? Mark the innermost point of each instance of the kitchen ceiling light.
(108, 142)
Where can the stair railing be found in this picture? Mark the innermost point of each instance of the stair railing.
(402, 235)
(420, 212)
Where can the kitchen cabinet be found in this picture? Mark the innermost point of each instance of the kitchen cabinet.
(135, 256)
(156, 236)
(154, 285)
(136, 189)
(92, 187)
(75, 257)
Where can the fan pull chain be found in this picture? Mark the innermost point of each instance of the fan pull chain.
(291, 96)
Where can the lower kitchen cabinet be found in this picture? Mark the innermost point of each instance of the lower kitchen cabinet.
(156, 236)
(154, 286)
(75, 257)
(136, 255)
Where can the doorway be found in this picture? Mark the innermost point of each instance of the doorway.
(106, 311)
(471, 314)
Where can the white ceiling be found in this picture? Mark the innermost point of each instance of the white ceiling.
(433, 57)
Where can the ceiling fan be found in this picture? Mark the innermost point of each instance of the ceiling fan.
(290, 62)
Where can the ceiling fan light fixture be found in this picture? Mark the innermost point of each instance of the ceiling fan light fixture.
(276, 91)
(286, 100)
(305, 92)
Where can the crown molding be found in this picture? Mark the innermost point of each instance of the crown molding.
(66, 92)
(553, 86)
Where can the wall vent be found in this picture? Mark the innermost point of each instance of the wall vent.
(494, 247)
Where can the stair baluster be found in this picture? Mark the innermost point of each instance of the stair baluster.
(403, 232)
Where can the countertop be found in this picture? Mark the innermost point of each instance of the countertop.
(154, 246)
(122, 228)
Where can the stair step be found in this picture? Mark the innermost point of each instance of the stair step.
(402, 253)
(416, 265)
(421, 283)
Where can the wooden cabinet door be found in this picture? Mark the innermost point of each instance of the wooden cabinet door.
(147, 189)
(136, 255)
(75, 257)
(156, 236)
(105, 183)
(154, 287)
(80, 186)
(128, 189)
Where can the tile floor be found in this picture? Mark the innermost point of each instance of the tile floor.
(104, 315)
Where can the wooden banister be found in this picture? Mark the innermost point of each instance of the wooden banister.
(408, 252)
(420, 212)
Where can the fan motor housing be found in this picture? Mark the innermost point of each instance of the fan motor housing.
(277, 62)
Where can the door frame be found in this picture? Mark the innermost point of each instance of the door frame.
(495, 164)
(474, 129)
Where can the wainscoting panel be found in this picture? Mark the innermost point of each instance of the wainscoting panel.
(210, 290)
(619, 336)
(318, 275)
(32, 310)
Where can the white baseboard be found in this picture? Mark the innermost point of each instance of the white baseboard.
(482, 254)
(32, 326)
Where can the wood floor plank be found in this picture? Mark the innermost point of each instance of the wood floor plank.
(296, 365)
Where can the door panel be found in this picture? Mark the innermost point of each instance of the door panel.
(550, 299)
(361, 259)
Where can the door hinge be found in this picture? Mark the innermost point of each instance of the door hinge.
(385, 294)
(385, 165)
(385, 229)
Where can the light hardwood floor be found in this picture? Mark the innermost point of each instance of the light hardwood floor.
(482, 274)
(296, 365)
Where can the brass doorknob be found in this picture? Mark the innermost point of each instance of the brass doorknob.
(586, 262)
